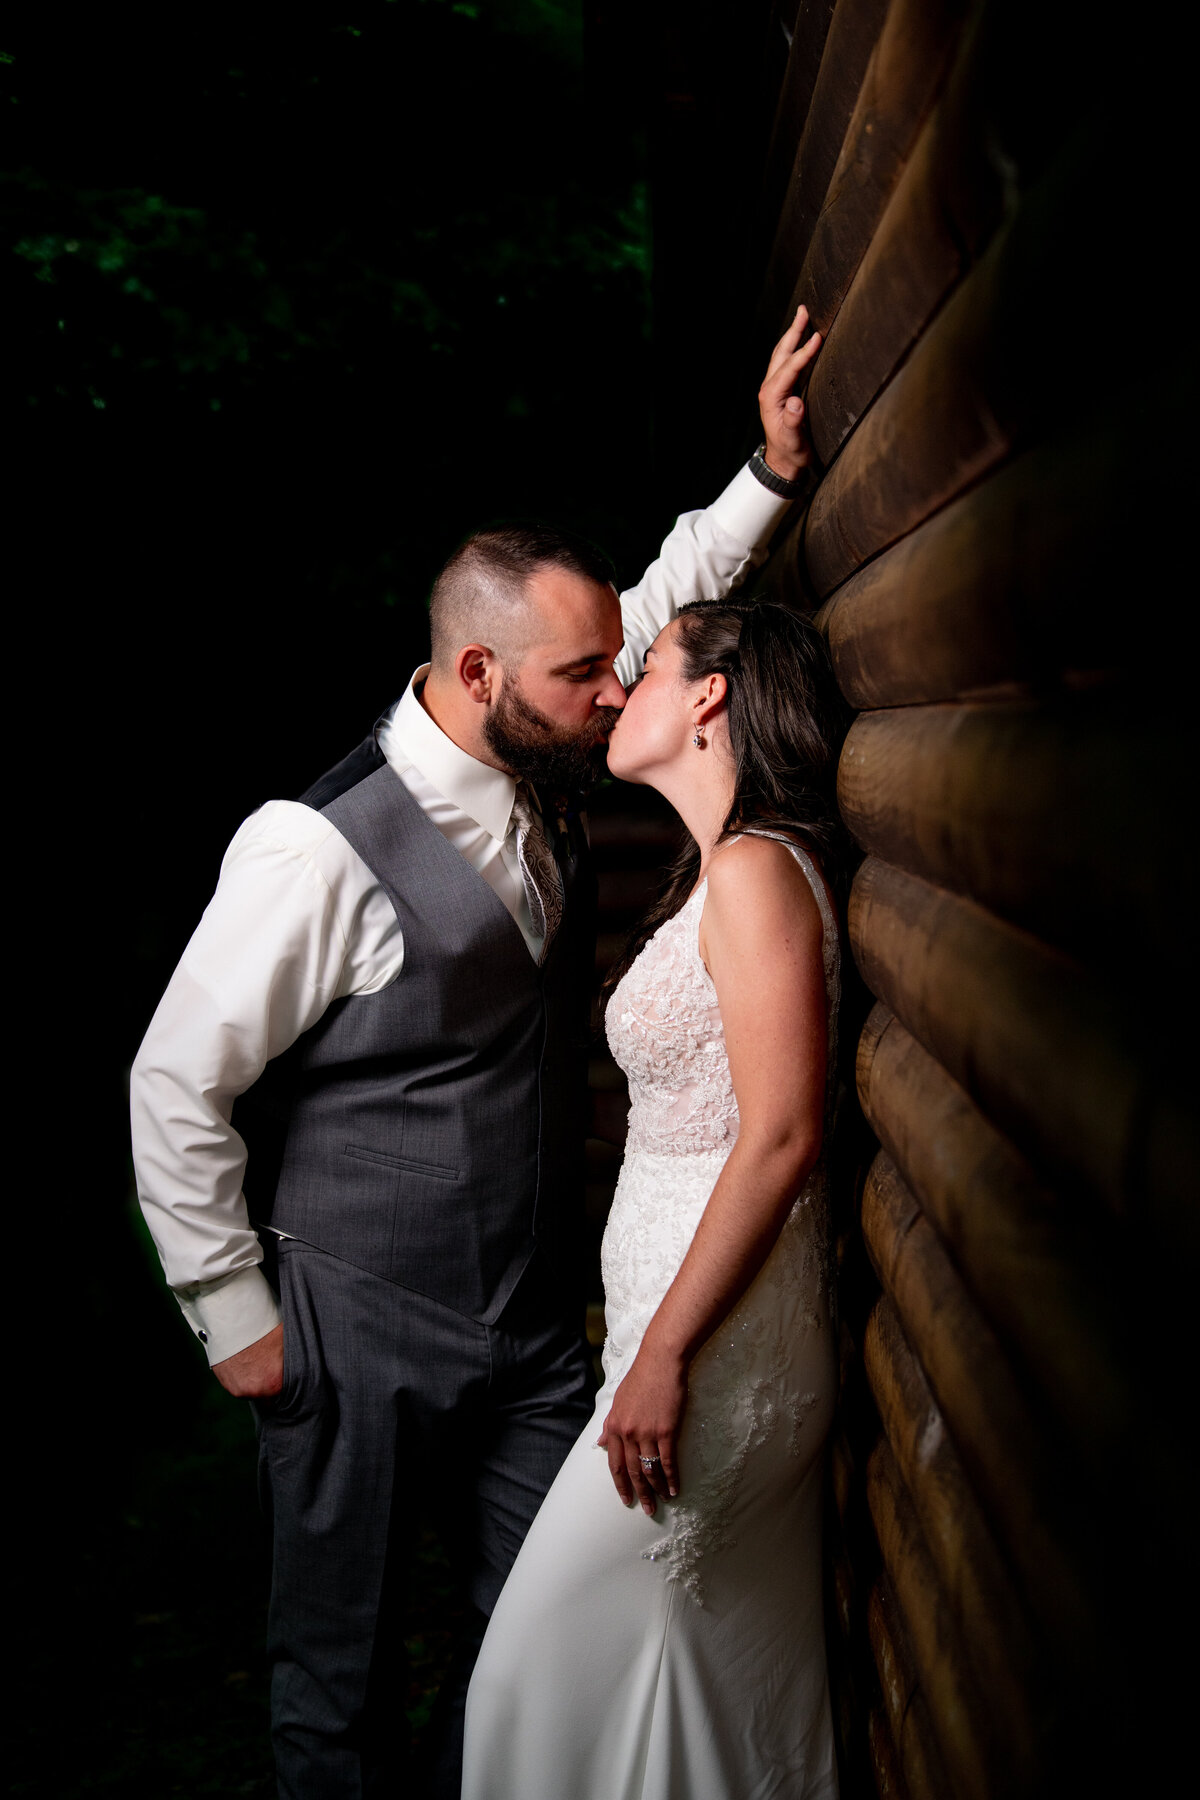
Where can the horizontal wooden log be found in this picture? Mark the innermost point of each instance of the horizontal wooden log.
(976, 385)
(885, 1763)
(905, 1708)
(1036, 1042)
(1040, 1271)
(902, 79)
(809, 26)
(989, 1621)
(843, 1475)
(842, 1585)
(1014, 586)
(1000, 119)
(961, 1720)
(1017, 1481)
(949, 200)
(847, 50)
(1020, 806)
(1057, 1287)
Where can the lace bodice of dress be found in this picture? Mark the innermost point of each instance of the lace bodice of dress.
(664, 1030)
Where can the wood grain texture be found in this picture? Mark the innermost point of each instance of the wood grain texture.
(989, 1621)
(946, 204)
(1039, 1270)
(1014, 585)
(1000, 120)
(904, 1704)
(847, 50)
(809, 25)
(963, 1724)
(842, 1585)
(902, 78)
(1021, 806)
(885, 1763)
(1017, 1480)
(1038, 1043)
(975, 387)
(843, 1475)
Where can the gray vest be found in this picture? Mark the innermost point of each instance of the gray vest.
(433, 1133)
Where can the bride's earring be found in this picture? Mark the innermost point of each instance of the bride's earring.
(698, 738)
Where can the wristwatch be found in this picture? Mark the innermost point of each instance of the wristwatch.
(778, 484)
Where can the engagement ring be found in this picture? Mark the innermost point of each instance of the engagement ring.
(648, 1462)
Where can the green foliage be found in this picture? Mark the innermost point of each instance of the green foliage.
(410, 186)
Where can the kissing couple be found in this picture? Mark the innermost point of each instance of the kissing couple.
(357, 1128)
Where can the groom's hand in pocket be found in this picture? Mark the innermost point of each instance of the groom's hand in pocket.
(644, 1422)
(255, 1373)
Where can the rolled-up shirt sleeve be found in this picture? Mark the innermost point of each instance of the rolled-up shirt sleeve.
(705, 557)
(296, 922)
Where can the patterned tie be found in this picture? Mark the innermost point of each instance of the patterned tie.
(539, 870)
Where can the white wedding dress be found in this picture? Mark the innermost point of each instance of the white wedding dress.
(680, 1657)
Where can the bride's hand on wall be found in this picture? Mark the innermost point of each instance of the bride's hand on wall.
(641, 1432)
(782, 411)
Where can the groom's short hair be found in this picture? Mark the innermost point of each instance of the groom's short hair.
(480, 595)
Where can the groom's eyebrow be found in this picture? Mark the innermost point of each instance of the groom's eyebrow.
(578, 662)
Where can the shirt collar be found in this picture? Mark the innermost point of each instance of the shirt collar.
(412, 739)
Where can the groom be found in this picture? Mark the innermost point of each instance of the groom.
(357, 1113)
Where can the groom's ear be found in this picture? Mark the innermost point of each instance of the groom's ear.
(477, 669)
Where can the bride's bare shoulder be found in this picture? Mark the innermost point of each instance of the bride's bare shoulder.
(760, 873)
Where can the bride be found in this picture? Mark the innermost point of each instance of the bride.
(672, 1647)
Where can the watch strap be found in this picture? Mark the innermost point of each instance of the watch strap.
(778, 484)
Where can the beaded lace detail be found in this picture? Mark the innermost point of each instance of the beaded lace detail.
(668, 1038)
(752, 1377)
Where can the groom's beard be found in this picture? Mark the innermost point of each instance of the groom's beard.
(532, 746)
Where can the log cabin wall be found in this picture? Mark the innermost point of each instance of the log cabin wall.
(987, 546)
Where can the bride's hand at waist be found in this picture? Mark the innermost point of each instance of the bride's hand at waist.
(641, 1432)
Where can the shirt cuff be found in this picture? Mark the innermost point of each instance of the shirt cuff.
(230, 1314)
(750, 512)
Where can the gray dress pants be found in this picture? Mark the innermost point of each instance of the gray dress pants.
(392, 1401)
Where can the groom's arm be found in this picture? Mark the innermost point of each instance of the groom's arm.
(269, 956)
(709, 553)
(705, 557)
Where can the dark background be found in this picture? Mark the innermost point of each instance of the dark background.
(296, 297)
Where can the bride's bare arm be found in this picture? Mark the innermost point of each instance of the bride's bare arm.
(760, 937)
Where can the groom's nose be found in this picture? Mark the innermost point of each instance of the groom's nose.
(611, 691)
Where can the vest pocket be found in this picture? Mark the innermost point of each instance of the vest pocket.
(429, 1221)
(439, 1171)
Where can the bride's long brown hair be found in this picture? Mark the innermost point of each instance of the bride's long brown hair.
(786, 725)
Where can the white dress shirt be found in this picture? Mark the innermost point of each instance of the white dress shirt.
(298, 921)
